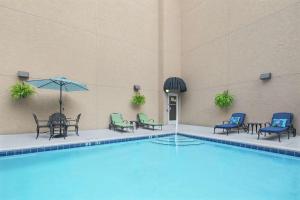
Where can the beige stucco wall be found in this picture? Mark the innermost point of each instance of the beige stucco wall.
(227, 44)
(113, 44)
(108, 44)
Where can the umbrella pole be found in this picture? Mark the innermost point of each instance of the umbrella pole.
(60, 100)
(60, 105)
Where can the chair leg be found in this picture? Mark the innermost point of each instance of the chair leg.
(258, 134)
(227, 130)
(51, 133)
(238, 130)
(279, 137)
(37, 133)
(65, 132)
(76, 129)
(214, 130)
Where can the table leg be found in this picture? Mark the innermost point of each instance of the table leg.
(248, 126)
(256, 125)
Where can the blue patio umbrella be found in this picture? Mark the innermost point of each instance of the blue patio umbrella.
(59, 83)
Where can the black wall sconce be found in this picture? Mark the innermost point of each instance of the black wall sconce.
(23, 75)
(265, 76)
(136, 88)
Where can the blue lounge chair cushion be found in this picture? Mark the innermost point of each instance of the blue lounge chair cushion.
(227, 126)
(283, 115)
(271, 129)
(279, 123)
(234, 120)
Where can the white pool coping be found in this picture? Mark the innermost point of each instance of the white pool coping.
(27, 140)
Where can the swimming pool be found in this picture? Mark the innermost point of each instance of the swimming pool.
(155, 169)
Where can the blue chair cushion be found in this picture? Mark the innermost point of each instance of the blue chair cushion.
(242, 117)
(226, 126)
(279, 123)
(271, 129)
(284, 115)
(234, 120)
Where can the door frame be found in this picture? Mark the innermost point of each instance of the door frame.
(173, 122)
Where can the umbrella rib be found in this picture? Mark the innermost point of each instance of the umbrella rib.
(78, 85)
(57, 82)
(46, 84)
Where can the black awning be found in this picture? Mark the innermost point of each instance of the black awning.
(174, 84)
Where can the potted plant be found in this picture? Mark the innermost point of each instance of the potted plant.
(138, 99)
(21, 90)
(224, 99)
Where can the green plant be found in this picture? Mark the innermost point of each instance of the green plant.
(21, 90)
(138, 99)
(224, 99)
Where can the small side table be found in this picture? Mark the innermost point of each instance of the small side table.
(256, 125)
(135, 123)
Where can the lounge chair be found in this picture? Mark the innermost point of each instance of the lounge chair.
(281, 123)
(74, 123)
(117, 122)
(40, 124)
(236, 122)
(144, 121)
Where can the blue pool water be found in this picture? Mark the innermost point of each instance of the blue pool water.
(151, 170)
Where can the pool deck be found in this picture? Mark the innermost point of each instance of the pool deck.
(27, 140)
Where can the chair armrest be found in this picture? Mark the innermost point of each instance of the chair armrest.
(225, 122)
(290, 126)
(151, 120)
(268, 123)
(126, 121)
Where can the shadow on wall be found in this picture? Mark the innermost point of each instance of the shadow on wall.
(40, 104)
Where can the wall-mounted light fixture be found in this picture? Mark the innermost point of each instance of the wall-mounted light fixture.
(23, 75)
(136, 88)
(265, 76)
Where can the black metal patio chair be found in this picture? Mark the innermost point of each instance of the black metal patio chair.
(40, 124)
(58, 123)
(74, 123)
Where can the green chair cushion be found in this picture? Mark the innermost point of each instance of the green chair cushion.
(143, 118)
(117, 119)
(124, 124)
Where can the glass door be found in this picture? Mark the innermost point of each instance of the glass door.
(173, 108)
